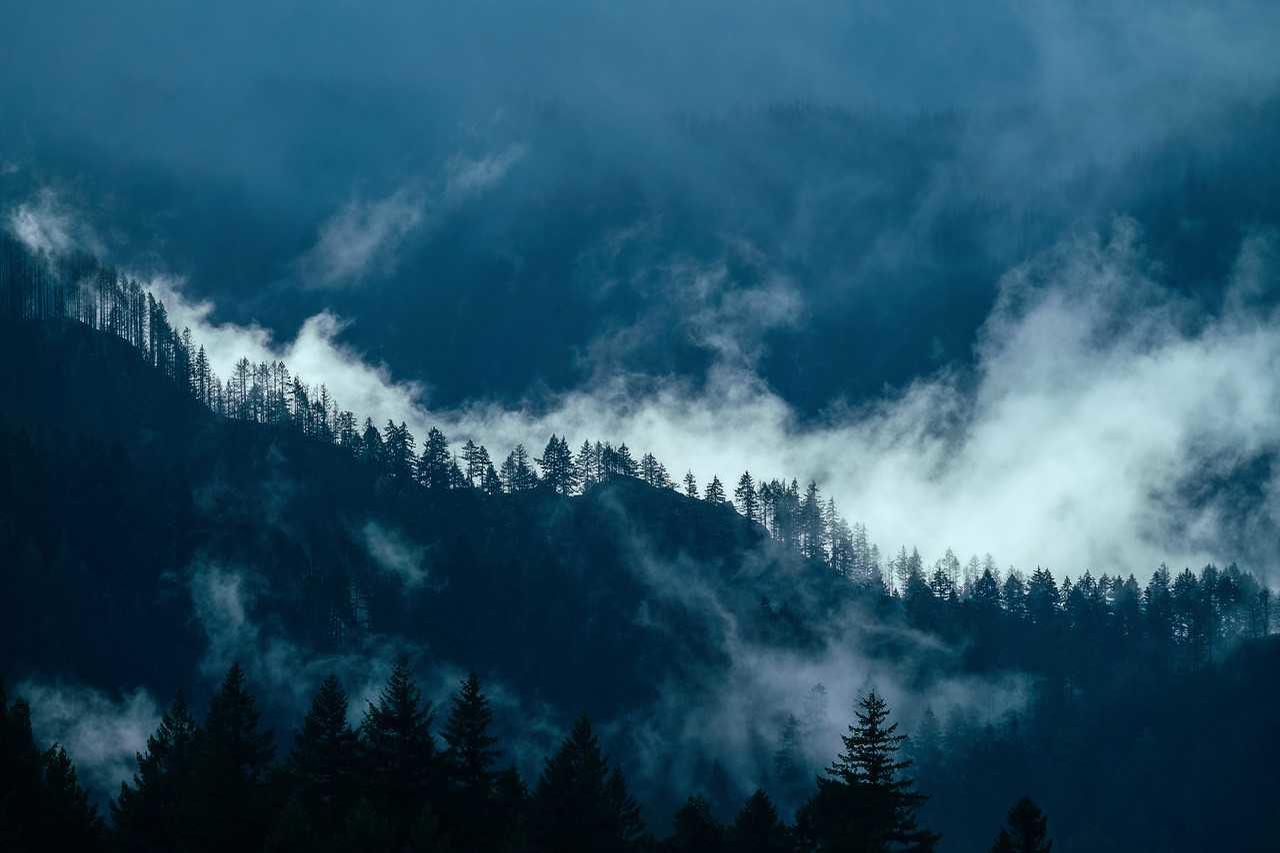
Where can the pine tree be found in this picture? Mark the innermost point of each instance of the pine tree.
(864, 803)
(398, 750)
(398, 452)
(1027, 830)
(581, 804)
(758, 829)
(70, 821)
(714, 494)
(434, 466)
(470, 754)
(557, 466)
(491, 483)
(516, 474)
(744, 497)
(585, 466)
(325, 756)
(654, 473)
(148, 814)
(475, 819)
(475, 459)
(235, 755)
(695, 829)
(371, 444)
(790, 777)
(690, 485)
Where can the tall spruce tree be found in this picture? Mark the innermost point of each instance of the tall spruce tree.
(1026, 830)
(758, 829)
(231, 775)
(695, 829)
(714, 493)
(864, 803)
(581, 803)
(148, 814)
(398, 751)
(325, 757)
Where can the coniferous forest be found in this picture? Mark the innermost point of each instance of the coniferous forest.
(138, 415)
(838, 427)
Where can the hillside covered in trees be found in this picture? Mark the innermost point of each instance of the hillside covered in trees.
(162, 524)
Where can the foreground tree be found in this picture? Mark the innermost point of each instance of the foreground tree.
(148, 813)
(1026, 830)
(325, 760)
(695, 829)
(581, 803)
(234, 757)
(469, 760)
(42, 806)
(399, 754)
(864, 803)
(758, 829)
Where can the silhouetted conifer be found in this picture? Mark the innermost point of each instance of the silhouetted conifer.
(1026, 830)
(581, 804)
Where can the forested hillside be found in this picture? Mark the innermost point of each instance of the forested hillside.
(162, 524)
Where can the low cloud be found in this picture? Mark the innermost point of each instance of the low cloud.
(101, 733)
(361, 239)
(47, 226)
(469, 176)
(364, 238)
(732, 712)
(396, 555)
(1096, 400)
(1099, 405)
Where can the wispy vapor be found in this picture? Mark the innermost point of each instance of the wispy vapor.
(45, 225)
(468, 176)
(99, 732)
(364, 238)
(1094, 401)
(392, 553)
(361, 238)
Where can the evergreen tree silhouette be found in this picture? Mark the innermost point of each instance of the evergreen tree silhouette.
(1026, 830)
(148, 815)
(581, 804)
(231, 772)
(470, 755)
(714, 493)
(864, 803)
(695, 829)
(758, 829)
(399, 752)
(325, 759)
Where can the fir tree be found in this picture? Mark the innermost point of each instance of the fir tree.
(744, 497)
(864, 803)
(690, 485)
(148, 814)
(398, 750)
(695, 829)
(758, 829)
(235, 756)
(1026, 830)
(470, 755)
(325, 757)
(581, 804)
(434, 466)
(714, 493)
